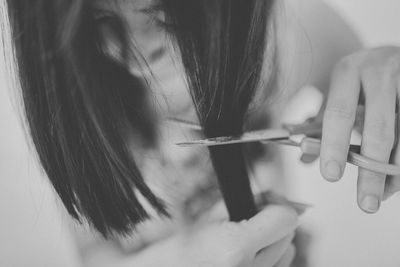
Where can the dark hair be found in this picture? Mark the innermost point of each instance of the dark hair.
(76, 99)
(222, 45)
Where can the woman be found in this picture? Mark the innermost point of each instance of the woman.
(91, 75)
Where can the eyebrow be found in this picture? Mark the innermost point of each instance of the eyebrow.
(152, 9)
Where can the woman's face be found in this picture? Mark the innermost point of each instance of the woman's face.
(166, 170)
(152, 48)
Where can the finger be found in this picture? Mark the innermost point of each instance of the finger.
(339, 119)
(308, 159)
(392, 185)
(287, 258)
(272, 197)
(359, 121)
(217, 213)
(377, 137)
(269, 226)
(269, 256)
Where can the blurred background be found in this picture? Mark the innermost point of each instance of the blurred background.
(33, 233)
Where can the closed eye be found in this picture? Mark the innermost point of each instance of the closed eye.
(156, 13)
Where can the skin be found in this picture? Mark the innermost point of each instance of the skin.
(264, 240)
(374, 73)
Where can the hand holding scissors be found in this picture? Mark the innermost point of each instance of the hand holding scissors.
(287, 136)
(307, 145)
(371, 77)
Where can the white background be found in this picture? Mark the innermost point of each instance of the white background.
(32, 232)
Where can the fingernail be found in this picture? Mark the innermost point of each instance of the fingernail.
(333, 171)
(370, 204)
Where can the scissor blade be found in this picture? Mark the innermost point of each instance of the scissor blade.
(253, 136)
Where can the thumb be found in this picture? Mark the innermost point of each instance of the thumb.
(217, 213)
(308, 159)
(269, 226)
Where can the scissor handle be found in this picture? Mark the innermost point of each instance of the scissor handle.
(312, 146)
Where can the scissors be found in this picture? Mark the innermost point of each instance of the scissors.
(286, 135)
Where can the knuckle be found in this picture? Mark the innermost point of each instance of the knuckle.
(370, 181)
(288, 216)
(377, 146)
(347, 63)
(330, 146)
(339, 110)
(373, 180)
(379, 132)
(384, 73)
(379, 79)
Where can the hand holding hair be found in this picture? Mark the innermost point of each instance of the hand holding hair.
(263, 240)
